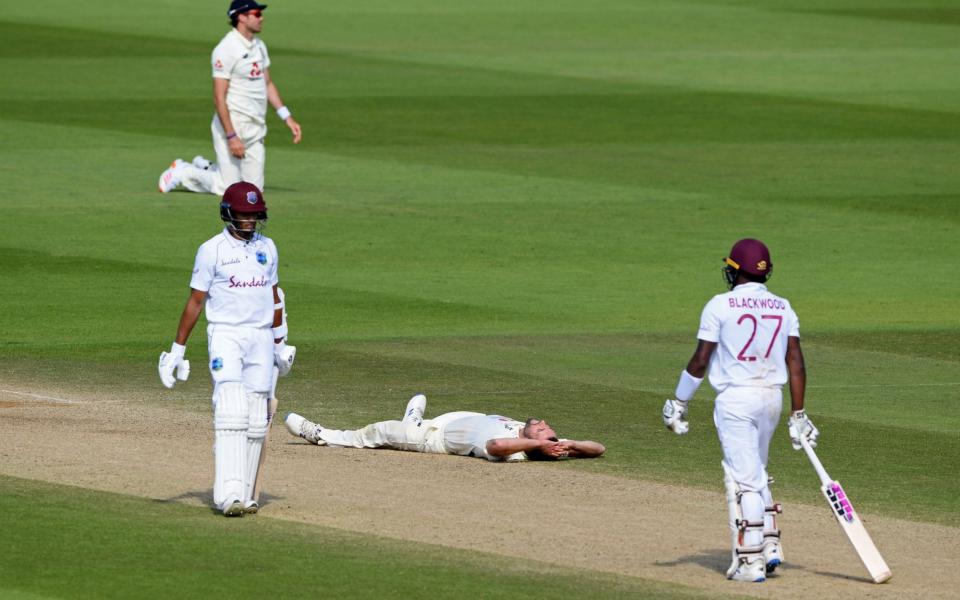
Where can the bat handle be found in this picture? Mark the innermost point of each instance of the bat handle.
(815, 461)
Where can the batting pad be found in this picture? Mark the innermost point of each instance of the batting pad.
(230, 423)
(256, 432)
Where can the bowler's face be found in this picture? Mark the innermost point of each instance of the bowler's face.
(538, 429)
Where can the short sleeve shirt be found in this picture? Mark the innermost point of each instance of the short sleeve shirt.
(750, 326)
(238, 278)
(468, 436)
(242, 62)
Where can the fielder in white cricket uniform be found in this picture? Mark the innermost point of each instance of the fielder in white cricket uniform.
(750, 340)
(493, 437)
(241, 90)
(235, 281)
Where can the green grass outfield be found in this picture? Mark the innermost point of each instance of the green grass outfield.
(518, 206)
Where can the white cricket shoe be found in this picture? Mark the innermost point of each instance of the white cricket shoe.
(251, 507)
(752, 571)
(232, 507)
(170, 179)
(772, 555)
(415, 408)
(201, 163)
(301, 427)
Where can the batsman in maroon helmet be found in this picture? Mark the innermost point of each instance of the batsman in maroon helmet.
(235, 282)
(749, 340)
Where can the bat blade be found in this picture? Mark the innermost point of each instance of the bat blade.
(853, 527)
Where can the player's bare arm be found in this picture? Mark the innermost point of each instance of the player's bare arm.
(220, 87)
(507, 446)
(701, 358)
(798, 373)
(583, 448)
(273, 97)
(191, 312)
(277, 314)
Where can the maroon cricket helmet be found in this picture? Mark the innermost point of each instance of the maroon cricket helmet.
(750, 257)
(243, 198)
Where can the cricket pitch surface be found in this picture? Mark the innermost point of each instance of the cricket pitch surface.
(597, 522)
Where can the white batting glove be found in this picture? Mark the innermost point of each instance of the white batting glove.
(675, 416)
(171, 362)
(800, 426)
(283, 356)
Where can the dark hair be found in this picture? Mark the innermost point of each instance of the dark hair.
(235, 19)
(537, 454)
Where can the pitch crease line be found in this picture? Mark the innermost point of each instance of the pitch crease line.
(40, 397)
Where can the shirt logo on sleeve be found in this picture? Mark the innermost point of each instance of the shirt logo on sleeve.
(261, 257)
(218, 65)
(216, 364)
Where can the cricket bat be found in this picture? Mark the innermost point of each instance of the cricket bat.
(849, 520)
(271, 412)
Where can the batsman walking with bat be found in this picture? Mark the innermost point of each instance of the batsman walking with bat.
(749, 339)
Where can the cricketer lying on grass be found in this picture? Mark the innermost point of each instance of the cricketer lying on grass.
(235, 282)
(493, 437)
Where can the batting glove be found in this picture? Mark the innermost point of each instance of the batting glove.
(171, 362)
(800, 426)
(283, 356)
(675, 416)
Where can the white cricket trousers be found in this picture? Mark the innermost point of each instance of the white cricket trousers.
(229, 169)
(746, 418)
(429, 436)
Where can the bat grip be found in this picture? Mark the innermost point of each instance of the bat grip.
(815, 461)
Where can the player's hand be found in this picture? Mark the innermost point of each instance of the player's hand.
(295, 128)
(555, 449)
(283, 356)
(236, 147)
(171, 362)
(800, 426)
(675, 416)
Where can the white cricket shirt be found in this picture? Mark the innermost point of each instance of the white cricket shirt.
(242, 62)
(468, 436)
(238, 277)
(751, 326)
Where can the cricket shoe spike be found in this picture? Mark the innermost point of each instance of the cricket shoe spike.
(415, 408)
(772, 556)
(170, 179)
(201, 163)
(232, 507)
(303, 428)
(752, 571)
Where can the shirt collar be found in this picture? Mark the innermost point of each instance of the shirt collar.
(751, 285)
(234, 242)
(248, 44)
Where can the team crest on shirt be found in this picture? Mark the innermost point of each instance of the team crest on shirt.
(216, 364)
(261, 257)
(252, 197)
(218, 65)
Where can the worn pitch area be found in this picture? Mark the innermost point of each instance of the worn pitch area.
(598, 522)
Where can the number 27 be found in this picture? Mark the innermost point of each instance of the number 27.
(753, 320)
